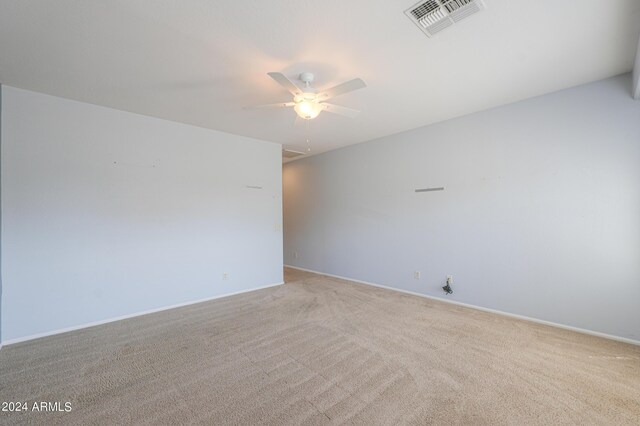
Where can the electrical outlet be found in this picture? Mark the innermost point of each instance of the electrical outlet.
(295, 254)
(225, 276)
(416, 275)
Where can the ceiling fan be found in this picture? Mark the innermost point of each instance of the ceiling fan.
(308, 102)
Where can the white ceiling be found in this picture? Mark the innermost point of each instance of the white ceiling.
(201, 61)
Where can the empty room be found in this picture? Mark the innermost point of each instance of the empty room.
(330, 212)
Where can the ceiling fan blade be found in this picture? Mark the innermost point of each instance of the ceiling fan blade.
(340, 110)
(345, 87)
(278, 105)
(283, 81)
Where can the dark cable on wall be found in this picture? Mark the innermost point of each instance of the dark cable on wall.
(447, 288)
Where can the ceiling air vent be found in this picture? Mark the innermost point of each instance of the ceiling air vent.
(433, 16)
(289, 153)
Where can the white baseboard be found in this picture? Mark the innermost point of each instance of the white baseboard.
(480, 308)
(123, 317)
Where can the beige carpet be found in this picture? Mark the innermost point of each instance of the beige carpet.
(323, 351)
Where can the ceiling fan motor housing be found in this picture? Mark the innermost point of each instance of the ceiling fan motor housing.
(306, 78)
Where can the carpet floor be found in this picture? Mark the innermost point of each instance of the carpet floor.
(319, 350)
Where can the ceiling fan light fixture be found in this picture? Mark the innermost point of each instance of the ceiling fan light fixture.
(307, 102)
(307, 109)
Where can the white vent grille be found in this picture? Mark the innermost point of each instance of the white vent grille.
(288, 153)
(425, 8)
(433, 16)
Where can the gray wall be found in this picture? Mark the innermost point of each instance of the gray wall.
(0, 214)
(540, 216)
(108, 213)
